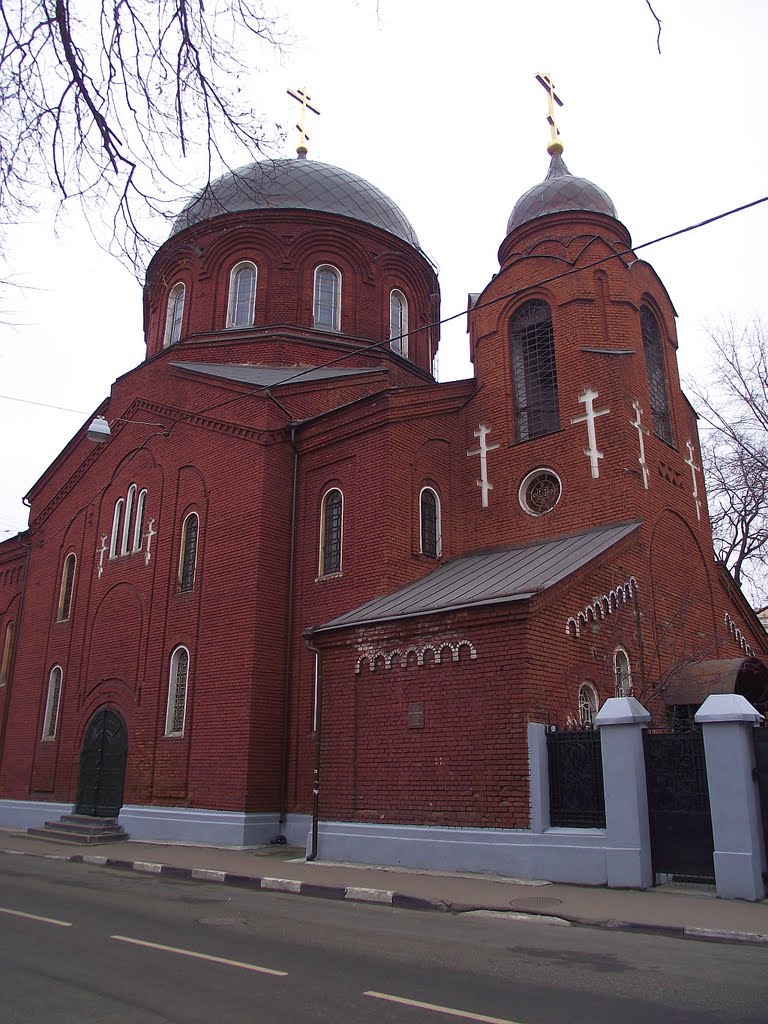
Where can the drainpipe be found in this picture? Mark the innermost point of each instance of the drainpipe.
(316, 769)
(280, 838)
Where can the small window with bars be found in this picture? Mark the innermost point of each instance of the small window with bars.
(429, 526)
(331, 532)
(534, 375)
(66, 588)
(177, 693)
(188, 559)
(52, 703)
(657, 375)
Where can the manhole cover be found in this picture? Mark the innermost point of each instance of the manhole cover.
(535, 902)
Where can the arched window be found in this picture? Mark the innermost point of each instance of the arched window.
(130, 501)
(188, 554)
(177, 693)
(52, 703)
(5, 664)
(534, 376)
(117, 528)
(429, 525)
(657, 375)
(398, 322)
(622, 673)
(174, 315)
(330, 532)
(587, 703)
(65, 590)
(327, 303)
(242, 295)
(138, 528)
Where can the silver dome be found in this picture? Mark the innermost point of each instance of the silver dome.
(560, 191)
(297, 184)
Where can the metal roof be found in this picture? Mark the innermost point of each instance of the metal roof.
(486, 578)
(297, 185)
(560, 191)
(273, 376)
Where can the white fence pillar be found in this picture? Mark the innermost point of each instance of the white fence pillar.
(727, 720)
(621, 721)
(538, 774)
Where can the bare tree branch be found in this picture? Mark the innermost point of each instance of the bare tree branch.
(658, 23)
(102, 100)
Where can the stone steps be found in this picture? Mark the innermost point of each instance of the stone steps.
(81, 829)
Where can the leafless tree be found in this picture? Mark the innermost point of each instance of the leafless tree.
(734, 407)
(102, 101)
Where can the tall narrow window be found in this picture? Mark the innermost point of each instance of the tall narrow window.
(130, 500)
(430, 523)
(188, 559)
(327, 305)
(587, 703)
(174, 315)
(398, 322)
(5, 664)
(138, 527)
(622, 673)
(330, 535)
(657, 375)
(52, 703)
(65, 590)
(117, 528)
(242, 295)
(534, 375)
(177, 693)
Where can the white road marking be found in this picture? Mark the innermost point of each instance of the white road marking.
(199, 956)
(36, 917)
(464, 1014)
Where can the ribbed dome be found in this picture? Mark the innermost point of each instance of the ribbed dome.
(560, 191)
(293, 184)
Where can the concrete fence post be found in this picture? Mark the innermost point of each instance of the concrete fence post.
(727, 720)
(538, 772)
(621, 721)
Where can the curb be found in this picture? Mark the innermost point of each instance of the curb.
(389, 897)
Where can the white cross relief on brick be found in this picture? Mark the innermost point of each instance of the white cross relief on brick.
(151, 531)
(694, 470)
(483, 449)
(399, 657)
(637, 423)
(101, 552)
(587, 399)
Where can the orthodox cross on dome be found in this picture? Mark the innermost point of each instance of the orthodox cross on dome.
(694, 470)
(637, 423)
(483, 449)
(587, 399)
(555, 146)
(101, 552)
(151, 531)
(302, 96)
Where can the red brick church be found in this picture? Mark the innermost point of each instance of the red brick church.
(287, 575)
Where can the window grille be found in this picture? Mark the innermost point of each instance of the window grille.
(622, 673)
(175, 314)
(657, 377)
(67, 584)
(430, 523)
(188, 552)
(177, 693)
(587, 704)
(398, 322)
(52, 704)
(533, 371)
(330, 560)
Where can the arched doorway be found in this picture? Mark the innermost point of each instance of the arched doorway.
(102, 765)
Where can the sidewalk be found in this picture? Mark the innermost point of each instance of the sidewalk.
(696, 914)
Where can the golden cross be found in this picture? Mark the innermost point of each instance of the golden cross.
(555, 146)
(302, 97)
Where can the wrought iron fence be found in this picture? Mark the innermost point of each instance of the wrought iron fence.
(576, 796)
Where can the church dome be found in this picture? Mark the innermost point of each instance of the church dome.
(297, 184)
(560, 191)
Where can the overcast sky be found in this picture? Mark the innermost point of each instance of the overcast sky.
(441, 110)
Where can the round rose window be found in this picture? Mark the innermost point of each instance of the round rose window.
(540, 492)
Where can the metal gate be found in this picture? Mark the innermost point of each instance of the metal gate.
(678, 806)
(761, 769)
(102, 766)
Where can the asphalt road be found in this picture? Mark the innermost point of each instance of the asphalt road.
(84, 944)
